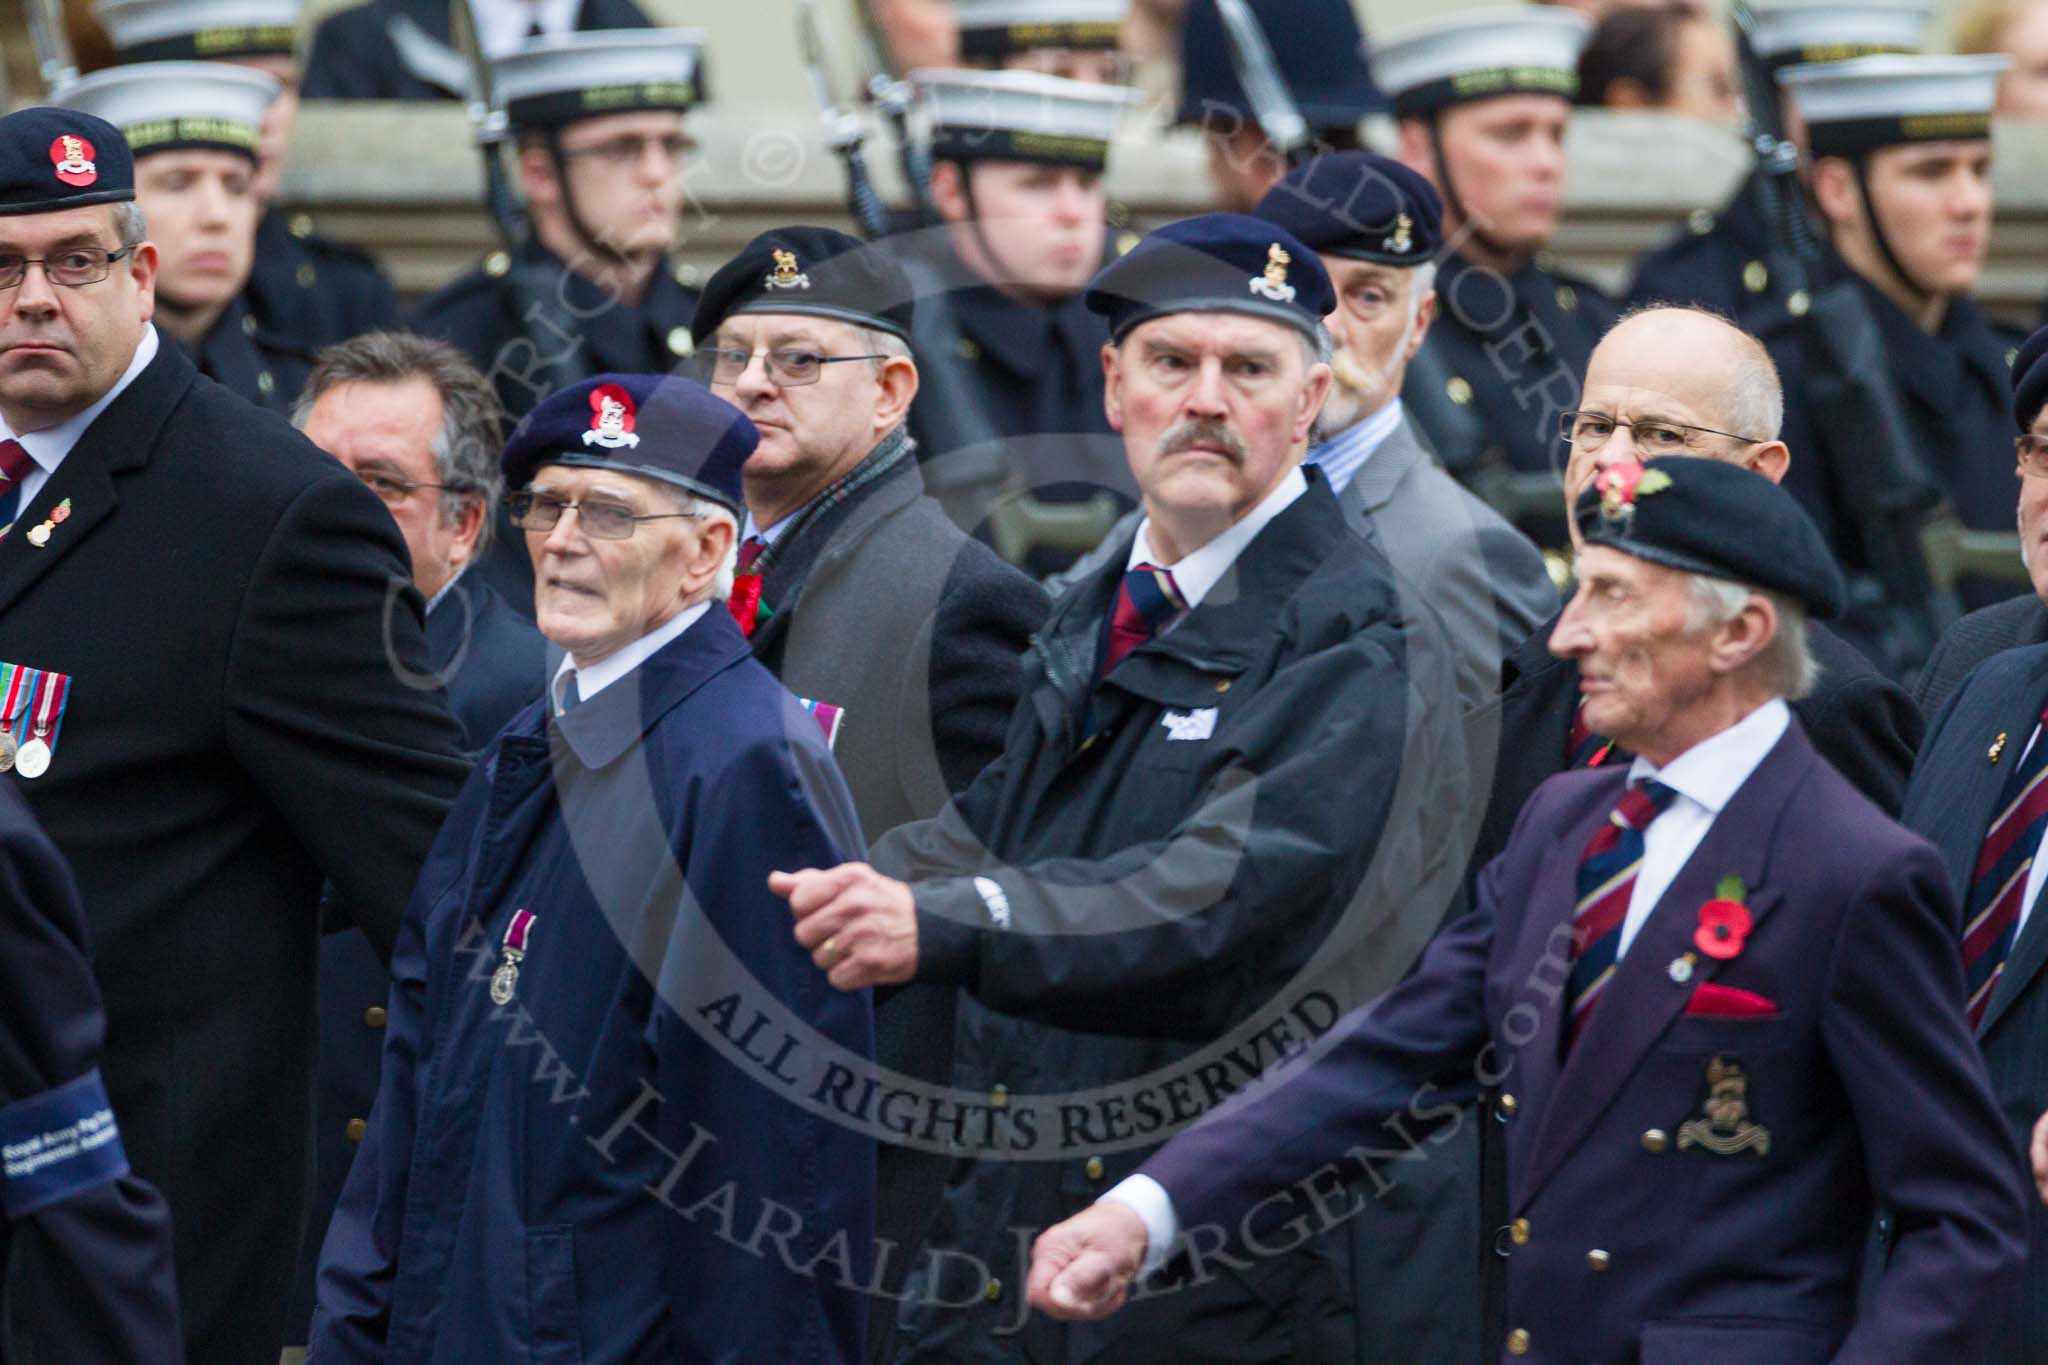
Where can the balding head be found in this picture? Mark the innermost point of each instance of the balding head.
(1709, 387)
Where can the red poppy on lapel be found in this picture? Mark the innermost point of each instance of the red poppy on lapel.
(1724, 921)
(1729, 1002)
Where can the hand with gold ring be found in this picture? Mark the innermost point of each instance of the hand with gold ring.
(859, 926)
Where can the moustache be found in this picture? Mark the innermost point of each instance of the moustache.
(1188, 435)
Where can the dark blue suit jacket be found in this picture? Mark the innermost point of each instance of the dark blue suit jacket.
(1864, 1076)
(1952, 800)
(493, 662)
(85, 1257)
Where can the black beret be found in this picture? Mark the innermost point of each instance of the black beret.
(1317, 45)
(1360, 205)
(1715, 518)
(813, 270)
(55, 159)
(660, 426)
(1215, 263)
(2030, 380)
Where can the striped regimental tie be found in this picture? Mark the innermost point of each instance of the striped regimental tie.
(1992, 913)
(1607, 877)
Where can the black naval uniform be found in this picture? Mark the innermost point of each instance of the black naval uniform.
(313, 290)
(400, 49)
(483, 313)
(1538, 325)
(251, 360)
(1955, 389)
(1721, 262)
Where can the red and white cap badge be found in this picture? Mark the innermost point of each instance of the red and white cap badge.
(611, 418)
(73, 158)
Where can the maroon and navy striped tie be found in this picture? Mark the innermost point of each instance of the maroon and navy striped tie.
(1148, 600)
(1607, 878)
(15, 463)
(1992, 913)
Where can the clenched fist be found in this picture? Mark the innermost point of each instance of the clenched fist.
(1082, 1269)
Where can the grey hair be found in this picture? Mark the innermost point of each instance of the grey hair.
(1317, 349)
(1786, 665)
(705, 510)
(130, 226)
(885, 344)
(1421, 284)
(472, 423)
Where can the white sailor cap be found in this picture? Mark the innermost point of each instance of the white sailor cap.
(1020, 116)
(1854, 106)
(198, 30)
(175, 106)
(995, 29)
(565, 77)
(1798, 32)
(1477, 54)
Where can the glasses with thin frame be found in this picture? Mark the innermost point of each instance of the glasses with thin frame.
(2033, 455)
(788, 368)
(1591, 430)
(394, 490)
(597, 518)
(74, 267)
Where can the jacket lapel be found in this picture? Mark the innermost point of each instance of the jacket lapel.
(2015, 712)
(607, 725)
(119, 439)
(1375, 481)
(1642, 999)
(822, 548)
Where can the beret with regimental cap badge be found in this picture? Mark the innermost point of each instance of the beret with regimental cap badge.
(1215, 263)
(198, 30)
(814, 271)
(1856, 106)
(1712, 517)
(991, 30)
(1479, 54)
(1361, 206)
(1814, 31)
(2030, 380)
(559, 79)
(1020, 116)
(57, 159)
(660, 427)
(178, 106)
(1317, 46)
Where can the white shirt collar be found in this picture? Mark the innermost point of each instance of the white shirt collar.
(1200, 570)
(49, 446)
(596, 677)
(438, 598)
(1344, 453)
(1710, 772)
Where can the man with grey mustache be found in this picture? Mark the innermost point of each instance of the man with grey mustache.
(1208, 794)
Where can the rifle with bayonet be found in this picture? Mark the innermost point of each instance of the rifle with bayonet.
(843, 132)
(56, 64)
(535, 296)
(1889, 494)
(1454, 430)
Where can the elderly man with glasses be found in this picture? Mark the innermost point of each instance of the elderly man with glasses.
(1680, 381)
(600, 1031)
(856, 590)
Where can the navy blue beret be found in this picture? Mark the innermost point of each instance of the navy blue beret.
(813, 270)
(2030, 380)
(660, 426)
(55, 159)
(1715, 518)
(1215, 263)
(1360, 205)
(1317, 45)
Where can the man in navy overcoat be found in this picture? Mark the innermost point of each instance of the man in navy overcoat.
(596, 1136)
